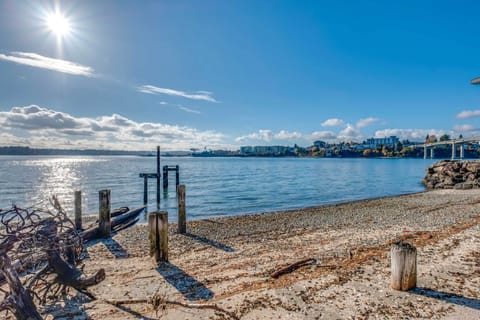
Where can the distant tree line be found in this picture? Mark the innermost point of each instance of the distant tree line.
(27, 151)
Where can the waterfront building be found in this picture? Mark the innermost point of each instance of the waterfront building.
(373, 143)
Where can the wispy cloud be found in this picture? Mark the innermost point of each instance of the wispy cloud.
(39, 61)
(334, 122)
(197, 95)
(179, 106)
(186, 109)
(362, 123)
(467, 114)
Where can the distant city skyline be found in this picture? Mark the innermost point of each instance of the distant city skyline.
(128, 75)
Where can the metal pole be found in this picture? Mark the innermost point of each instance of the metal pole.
(453, 150)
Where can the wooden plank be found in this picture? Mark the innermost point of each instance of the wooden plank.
(148, 175)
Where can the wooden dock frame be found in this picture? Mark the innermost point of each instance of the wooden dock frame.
(165, 176)
(147, 176)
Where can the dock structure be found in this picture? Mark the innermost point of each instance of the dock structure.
(453, 142)
(165, 176)
(147, 176)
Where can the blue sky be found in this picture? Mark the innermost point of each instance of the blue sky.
(221, 74)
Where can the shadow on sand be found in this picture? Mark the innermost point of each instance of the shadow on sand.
(113, 246)
(212, 243)
(188, 286)
(448, 297)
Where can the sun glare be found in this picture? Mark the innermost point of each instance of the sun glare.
(58, 24)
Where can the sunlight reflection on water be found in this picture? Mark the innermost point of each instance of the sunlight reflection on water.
(215, 186)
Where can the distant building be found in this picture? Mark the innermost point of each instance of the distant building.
(377, 142)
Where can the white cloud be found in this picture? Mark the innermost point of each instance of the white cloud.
(198, 95)
(322, 135)
(467, 114)
(362, 123)
(334, 122)
(285, 135)
(465, 128)
(42, 127)
(350, 133)
(410, 134)
(265, 135)
(39, 61)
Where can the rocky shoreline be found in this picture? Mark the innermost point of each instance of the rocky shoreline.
(227, 263)
(453, 174)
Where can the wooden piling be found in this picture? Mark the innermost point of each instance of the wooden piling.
(145, 190)
(165, 178)
(182, 216)
(177, 176)
(104, 222)
(158, 235)
(404, 266)
(77, 203)
(158, 177)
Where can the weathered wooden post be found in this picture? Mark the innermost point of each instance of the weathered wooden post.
(182, 215)
(404, 266)
(145, 190)
(177, 175)
(77, 204)
(158, 177)
(158, 235)
(104, 222)
(165, 178)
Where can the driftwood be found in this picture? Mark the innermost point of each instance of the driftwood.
(119, 222)
(291, 267)
(157, 301)
(44, 245)
(18, 300)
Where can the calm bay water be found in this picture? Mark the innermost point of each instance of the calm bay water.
(215, 186)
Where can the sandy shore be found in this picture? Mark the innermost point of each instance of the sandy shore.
(227, 263)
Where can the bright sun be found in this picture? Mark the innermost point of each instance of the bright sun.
(58, 24)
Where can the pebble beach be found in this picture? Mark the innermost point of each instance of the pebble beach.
(221, 269)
